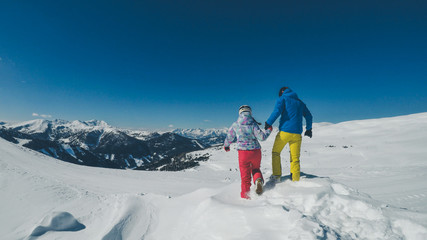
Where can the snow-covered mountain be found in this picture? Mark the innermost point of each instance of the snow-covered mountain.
(57, 127)
(140, 134)
(200, 133)
(206, 136)
(95, 143)
(361, 180)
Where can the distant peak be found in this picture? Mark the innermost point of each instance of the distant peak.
(34, 122)
(59, 121)
(94, 123)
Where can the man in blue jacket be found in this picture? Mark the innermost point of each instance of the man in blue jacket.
(291, 111)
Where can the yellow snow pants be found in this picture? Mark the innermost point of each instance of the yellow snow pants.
(294, 141)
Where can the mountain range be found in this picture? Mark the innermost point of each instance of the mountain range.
(211, 136)
(96, 143)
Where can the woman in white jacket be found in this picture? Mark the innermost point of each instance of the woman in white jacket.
(247, 133)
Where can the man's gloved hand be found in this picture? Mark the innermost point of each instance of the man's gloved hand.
(227, 149)
(308, 133)
(267, 126)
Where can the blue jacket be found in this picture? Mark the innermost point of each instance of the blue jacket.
(291, 109)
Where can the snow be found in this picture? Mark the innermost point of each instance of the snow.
(198, 144)
(45, 152)
(52, 150)
(139, 162)
(41, 125)
(375, 188)
(22, 141)
(198, 133)
(138, 134)
(58, 221)
(78, 125)
(33, 126)
(70, 151)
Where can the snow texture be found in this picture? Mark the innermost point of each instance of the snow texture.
(361, 180)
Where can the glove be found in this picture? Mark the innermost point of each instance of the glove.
(227, 149)
(308, 133)
(267, 126)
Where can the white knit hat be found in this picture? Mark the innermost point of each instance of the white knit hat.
(245, 108)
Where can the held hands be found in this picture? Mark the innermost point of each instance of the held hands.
(267, 126)
(227, 149)
(308, 133)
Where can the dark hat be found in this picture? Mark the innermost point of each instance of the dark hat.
(282, 90)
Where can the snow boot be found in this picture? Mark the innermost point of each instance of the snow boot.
(276, 178)
(259, 183)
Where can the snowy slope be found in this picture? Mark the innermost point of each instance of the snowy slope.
(362, 180)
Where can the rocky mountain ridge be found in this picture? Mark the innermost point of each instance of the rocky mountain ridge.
(95, 143)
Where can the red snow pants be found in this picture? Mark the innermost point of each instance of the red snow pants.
(249, 164)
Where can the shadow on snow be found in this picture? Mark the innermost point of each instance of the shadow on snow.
(272, 182)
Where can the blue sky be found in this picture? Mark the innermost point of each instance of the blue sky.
(152, 64)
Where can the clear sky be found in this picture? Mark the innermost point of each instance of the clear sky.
(154, 64)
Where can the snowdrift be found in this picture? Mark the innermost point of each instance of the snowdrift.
(43, 198)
